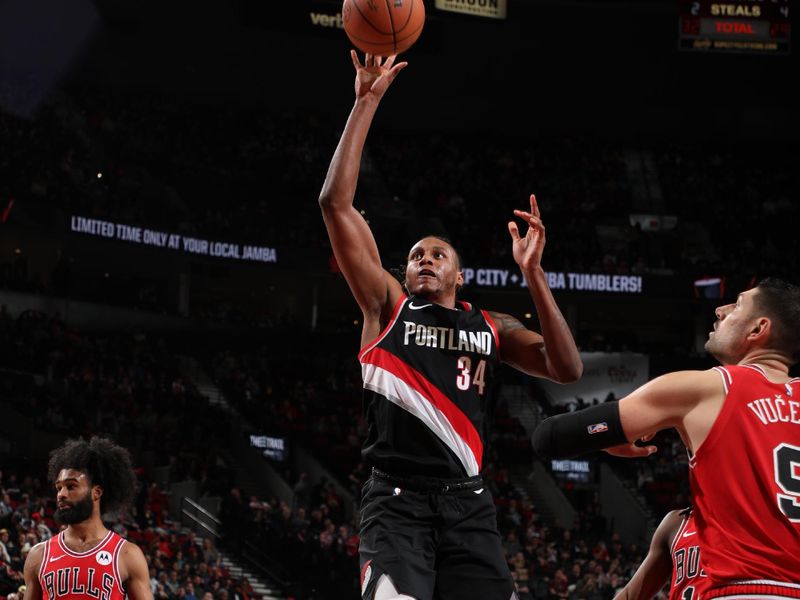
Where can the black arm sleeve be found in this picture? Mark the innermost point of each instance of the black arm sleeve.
(587, 430)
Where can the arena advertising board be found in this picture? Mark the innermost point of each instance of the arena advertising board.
(272, 447)
(573, 471)
(172, 241)
(618, 373)
(493, 9)
(557, 280)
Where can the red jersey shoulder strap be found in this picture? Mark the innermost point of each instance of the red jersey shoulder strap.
(46, 553)
(401, 301)
(679, 533)
(727, 378)
(118, 542)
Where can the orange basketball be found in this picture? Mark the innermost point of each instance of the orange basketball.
(383, 27)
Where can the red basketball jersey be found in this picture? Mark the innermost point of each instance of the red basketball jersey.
(745, 480)
(689, 580)
(90, 575)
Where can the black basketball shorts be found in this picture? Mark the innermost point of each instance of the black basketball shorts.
(438, 540)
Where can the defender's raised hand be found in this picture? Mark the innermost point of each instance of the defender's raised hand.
(375, 75)
(528, 250)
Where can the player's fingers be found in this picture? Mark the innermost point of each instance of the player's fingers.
(645, 450)
(647, 438)
(397, 68)
(368, 59)
(514, 231)
(389, 61)
(354, 57)
(522, 214)
(535, 223)
(535, 206)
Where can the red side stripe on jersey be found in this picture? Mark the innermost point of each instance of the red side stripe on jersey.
(398, 305)
(415, 380)
(45, 558)
(490, 323)
(115, 561)
(726, 377)
(679, 533)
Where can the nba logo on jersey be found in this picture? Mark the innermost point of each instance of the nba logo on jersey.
(597, 428)
(104, 557)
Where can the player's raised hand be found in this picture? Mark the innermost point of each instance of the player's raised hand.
(528, 249)
(376, 74)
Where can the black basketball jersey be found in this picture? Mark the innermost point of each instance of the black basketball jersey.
(429, 380)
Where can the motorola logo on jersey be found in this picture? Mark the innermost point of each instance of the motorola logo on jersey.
(76, 581)
(479, 342)
(104, 558)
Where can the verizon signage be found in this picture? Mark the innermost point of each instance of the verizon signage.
(493, 9)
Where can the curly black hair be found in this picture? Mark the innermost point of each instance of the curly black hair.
(105, 463)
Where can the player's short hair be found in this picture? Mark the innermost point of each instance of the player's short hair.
(780, 301)
(105, 463)
(447, 241)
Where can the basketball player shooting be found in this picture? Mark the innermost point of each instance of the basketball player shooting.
(741, 424)
(428, 526)
(86, 561)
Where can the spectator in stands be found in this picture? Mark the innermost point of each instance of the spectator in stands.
(302, 492)
(210, 553)
(4, 539)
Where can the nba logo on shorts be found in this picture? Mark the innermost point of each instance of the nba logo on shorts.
(597, 428)
(104, 558)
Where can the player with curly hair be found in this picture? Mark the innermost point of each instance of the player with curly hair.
(87, 561)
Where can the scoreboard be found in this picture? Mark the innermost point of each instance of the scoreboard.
(752, 26)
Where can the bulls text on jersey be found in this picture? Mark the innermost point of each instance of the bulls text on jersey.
(78, 581)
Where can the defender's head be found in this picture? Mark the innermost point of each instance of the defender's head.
(766, 318)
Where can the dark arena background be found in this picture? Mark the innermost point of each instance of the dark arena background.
(166, 278)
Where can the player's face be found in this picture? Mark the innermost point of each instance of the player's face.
(728, 341)
(432, 270)
(74, 497)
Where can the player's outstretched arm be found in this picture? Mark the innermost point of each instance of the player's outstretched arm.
(354, 247)
(656, 567)
(33, 563)
(553, 354)
(135, 573)
(677, 399)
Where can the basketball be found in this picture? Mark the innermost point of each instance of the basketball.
(383, 27)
